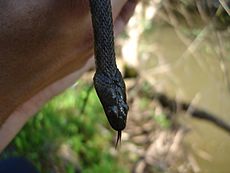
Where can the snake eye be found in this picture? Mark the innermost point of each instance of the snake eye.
(114, 111)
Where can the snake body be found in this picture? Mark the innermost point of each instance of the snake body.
(108, 81)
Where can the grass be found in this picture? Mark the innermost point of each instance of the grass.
(59, 123)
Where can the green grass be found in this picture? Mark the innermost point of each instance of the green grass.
(60, 123)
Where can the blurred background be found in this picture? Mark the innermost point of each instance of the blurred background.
(175, 57)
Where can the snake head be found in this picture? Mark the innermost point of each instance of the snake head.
(117, 115)
(111, 92)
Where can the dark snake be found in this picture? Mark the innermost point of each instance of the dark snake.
(108, 81)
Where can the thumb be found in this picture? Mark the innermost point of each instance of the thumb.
(123, 16)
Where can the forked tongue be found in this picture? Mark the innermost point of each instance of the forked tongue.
(118, 138)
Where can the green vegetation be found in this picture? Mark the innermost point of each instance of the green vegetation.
(59, 124)
(162, 120)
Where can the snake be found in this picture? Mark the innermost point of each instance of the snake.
(108, 82)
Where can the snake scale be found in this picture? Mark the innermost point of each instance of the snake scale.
(108, 81)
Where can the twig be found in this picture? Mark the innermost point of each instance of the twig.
(201, 10)
(222, 56)
(86, 99)
(225, 6)
(193, 111)
(192, 47)
(174, 22)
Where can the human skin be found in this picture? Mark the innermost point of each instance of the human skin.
(45, 46)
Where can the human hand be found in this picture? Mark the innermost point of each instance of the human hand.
(44, 48)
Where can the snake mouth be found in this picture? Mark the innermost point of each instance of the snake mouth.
(116, 123)
(116, 116)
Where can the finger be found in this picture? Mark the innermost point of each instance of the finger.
(117, 5)
(128, 10)
(124, 15)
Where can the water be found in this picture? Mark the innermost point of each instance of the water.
(199, 78)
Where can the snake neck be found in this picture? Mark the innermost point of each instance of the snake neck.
(106, 66)
(103, 36)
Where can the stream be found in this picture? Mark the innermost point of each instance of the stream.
(196, 72)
